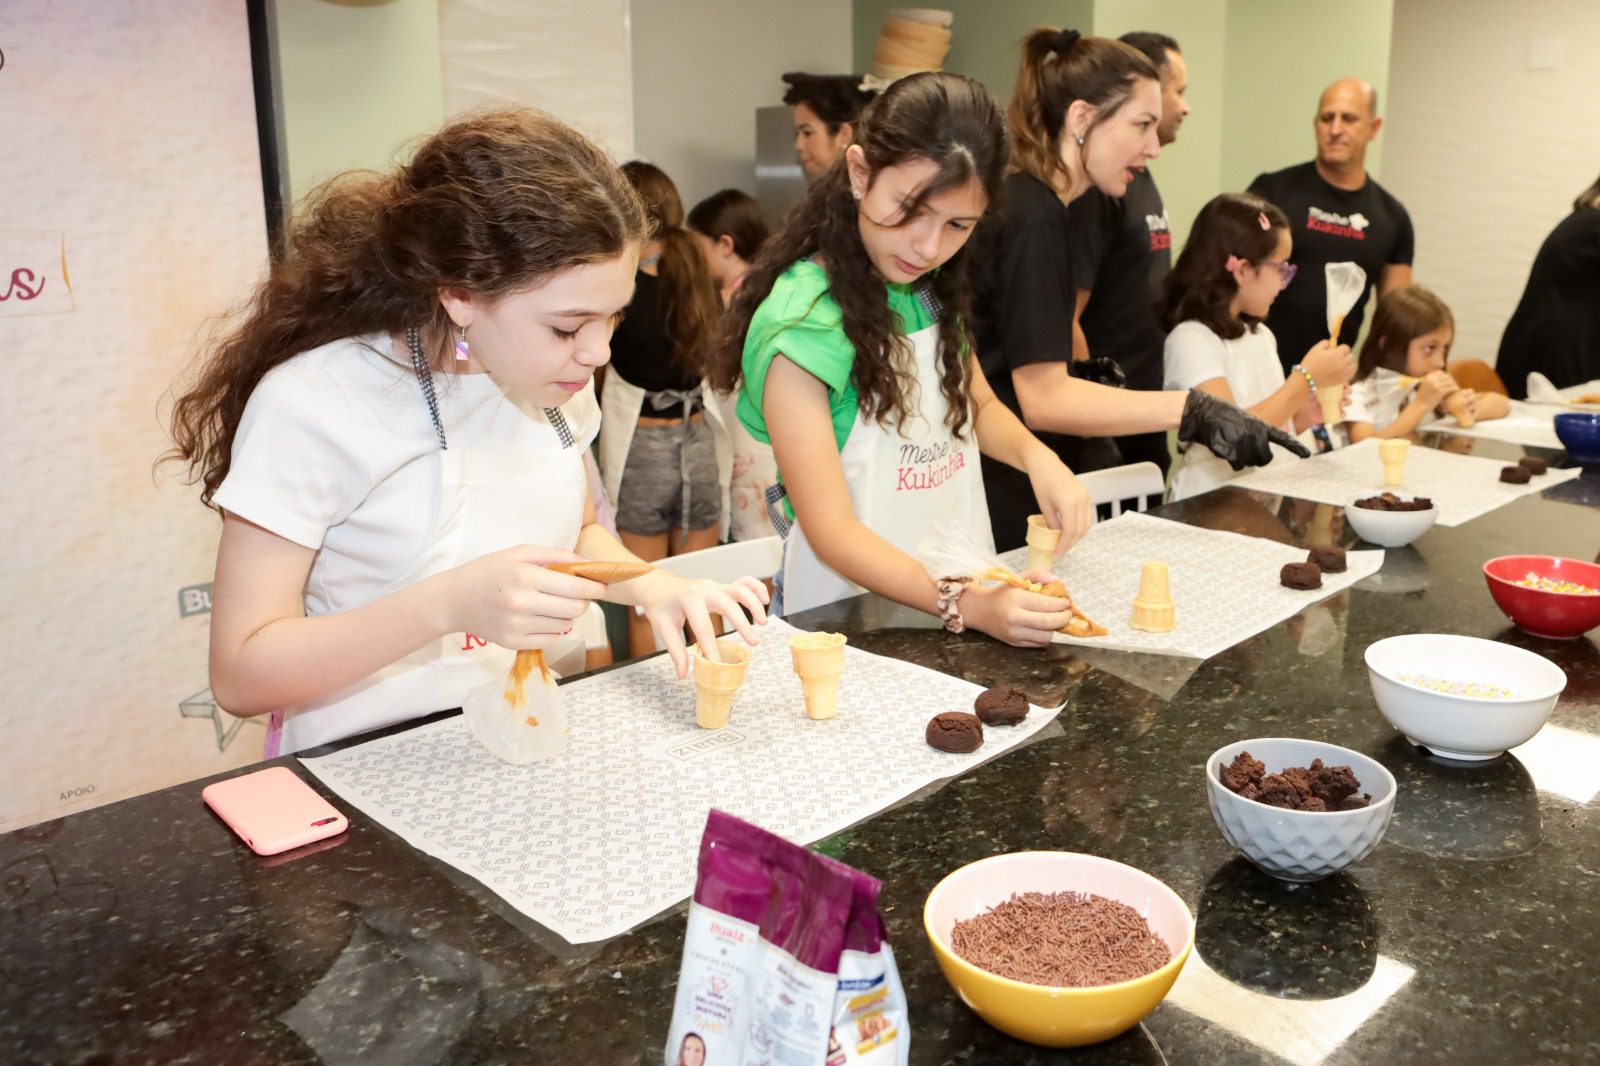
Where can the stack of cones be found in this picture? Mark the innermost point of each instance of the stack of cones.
(913, 39)
(1042, 541)
(1393, 454)
(717, 683)
(819, 660)
(1153, 609)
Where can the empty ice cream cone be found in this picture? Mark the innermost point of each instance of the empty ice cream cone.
(1393, 454)
(819, 660)
(717, 683)
(1042, 541)
(1331, 397)
(1456, 404)
(1153, 609)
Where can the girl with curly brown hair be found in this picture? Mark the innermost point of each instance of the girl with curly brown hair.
(394, 433)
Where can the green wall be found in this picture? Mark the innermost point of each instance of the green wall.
(1280, 57)
(986, 34)
(359, 81)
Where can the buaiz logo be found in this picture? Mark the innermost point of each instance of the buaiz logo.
(195, 599)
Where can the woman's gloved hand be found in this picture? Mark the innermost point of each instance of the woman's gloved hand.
(1100, 369)
(1233, 433)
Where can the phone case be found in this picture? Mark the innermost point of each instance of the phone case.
(273, 811)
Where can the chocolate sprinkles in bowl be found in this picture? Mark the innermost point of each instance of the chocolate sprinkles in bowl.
(1061, 940)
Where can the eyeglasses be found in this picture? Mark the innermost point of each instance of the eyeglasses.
(1286, 271)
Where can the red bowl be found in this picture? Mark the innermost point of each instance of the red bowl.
(1561, 615)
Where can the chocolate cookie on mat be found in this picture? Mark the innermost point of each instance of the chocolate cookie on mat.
(955, 731)
(1300, 576)
(1534, 465)
(1001, 706)
(1330, 560)
(1515, 475)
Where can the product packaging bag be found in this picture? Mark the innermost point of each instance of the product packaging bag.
(785, 960)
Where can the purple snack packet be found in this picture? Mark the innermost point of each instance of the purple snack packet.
(766, 930)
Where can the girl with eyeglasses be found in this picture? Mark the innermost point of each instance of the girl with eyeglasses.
(1233, 267)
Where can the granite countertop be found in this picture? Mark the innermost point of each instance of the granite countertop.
(144, 932)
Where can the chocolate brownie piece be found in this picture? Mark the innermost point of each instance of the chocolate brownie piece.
(1388, 501)
(1331, 560)
(1001, 706)
(1515, 475)
(1300, 576)
(1332, 784)
(1243, 771)
(1278, 792)
(1355, 803)
(955, 731)
(1534, 465)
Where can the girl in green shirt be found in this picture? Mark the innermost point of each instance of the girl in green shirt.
(850, 336)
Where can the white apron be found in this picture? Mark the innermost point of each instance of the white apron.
(620, 402)
(901, 480)
(489, 500)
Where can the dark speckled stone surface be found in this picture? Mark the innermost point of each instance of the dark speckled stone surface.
(143, 932)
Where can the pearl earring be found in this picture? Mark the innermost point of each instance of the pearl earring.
(1079, 138)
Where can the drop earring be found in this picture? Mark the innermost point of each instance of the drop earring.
(462, 351)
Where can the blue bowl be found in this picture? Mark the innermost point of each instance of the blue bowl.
(1581, 434)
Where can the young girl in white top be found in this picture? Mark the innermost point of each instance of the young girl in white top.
(1234, 265)
(394, 435)
(1401, 378)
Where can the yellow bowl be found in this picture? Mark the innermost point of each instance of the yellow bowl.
(1039, 1014)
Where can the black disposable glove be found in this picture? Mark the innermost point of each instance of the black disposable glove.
(1231, 432)
(1100, 369)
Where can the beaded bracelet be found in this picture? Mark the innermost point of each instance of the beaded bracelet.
(1310, 381)
(950, 590)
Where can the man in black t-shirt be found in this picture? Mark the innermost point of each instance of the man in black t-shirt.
(1337, 213)
(1121, 255)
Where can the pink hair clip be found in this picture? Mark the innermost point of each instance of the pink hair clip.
(1262, 215)
(1234, 263)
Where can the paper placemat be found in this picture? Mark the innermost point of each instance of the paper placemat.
(1463, 486)
(1531, 425)
(608, 835)
(1224, 585)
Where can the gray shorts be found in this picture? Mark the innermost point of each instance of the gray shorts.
(669, 480)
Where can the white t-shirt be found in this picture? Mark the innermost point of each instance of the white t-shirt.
(1379, 398)
(1193, 355)
(336, 452)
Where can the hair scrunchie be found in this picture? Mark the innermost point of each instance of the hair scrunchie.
(1064, 41)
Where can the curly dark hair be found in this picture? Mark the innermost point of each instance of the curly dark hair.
(947, 119)
(491, 204)
(1200, 286)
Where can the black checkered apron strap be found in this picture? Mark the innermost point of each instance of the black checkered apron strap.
(780, 521)
(558, 422)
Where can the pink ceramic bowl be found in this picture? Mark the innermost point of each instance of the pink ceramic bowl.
(1562, 615)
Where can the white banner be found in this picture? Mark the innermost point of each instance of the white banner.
(130, 216)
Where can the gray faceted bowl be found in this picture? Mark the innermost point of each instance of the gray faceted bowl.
(1300, 845)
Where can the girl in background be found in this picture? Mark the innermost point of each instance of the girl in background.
(394, 435)
(1410, 337)
(731, 230)
(664, 460)
(825, 109)
(1083, 115)
(850, 339)
(1232, 268)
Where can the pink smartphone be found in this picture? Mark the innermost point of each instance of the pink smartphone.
(272, 810)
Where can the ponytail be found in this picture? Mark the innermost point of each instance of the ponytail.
(1058, 68)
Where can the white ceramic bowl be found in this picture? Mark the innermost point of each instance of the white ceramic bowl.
(1462, 727)
(1388, 529)
(1300, 845)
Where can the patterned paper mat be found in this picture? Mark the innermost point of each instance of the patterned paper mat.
(1531, 425)
(599, 840)
(1224, 586)
(1463, 486)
